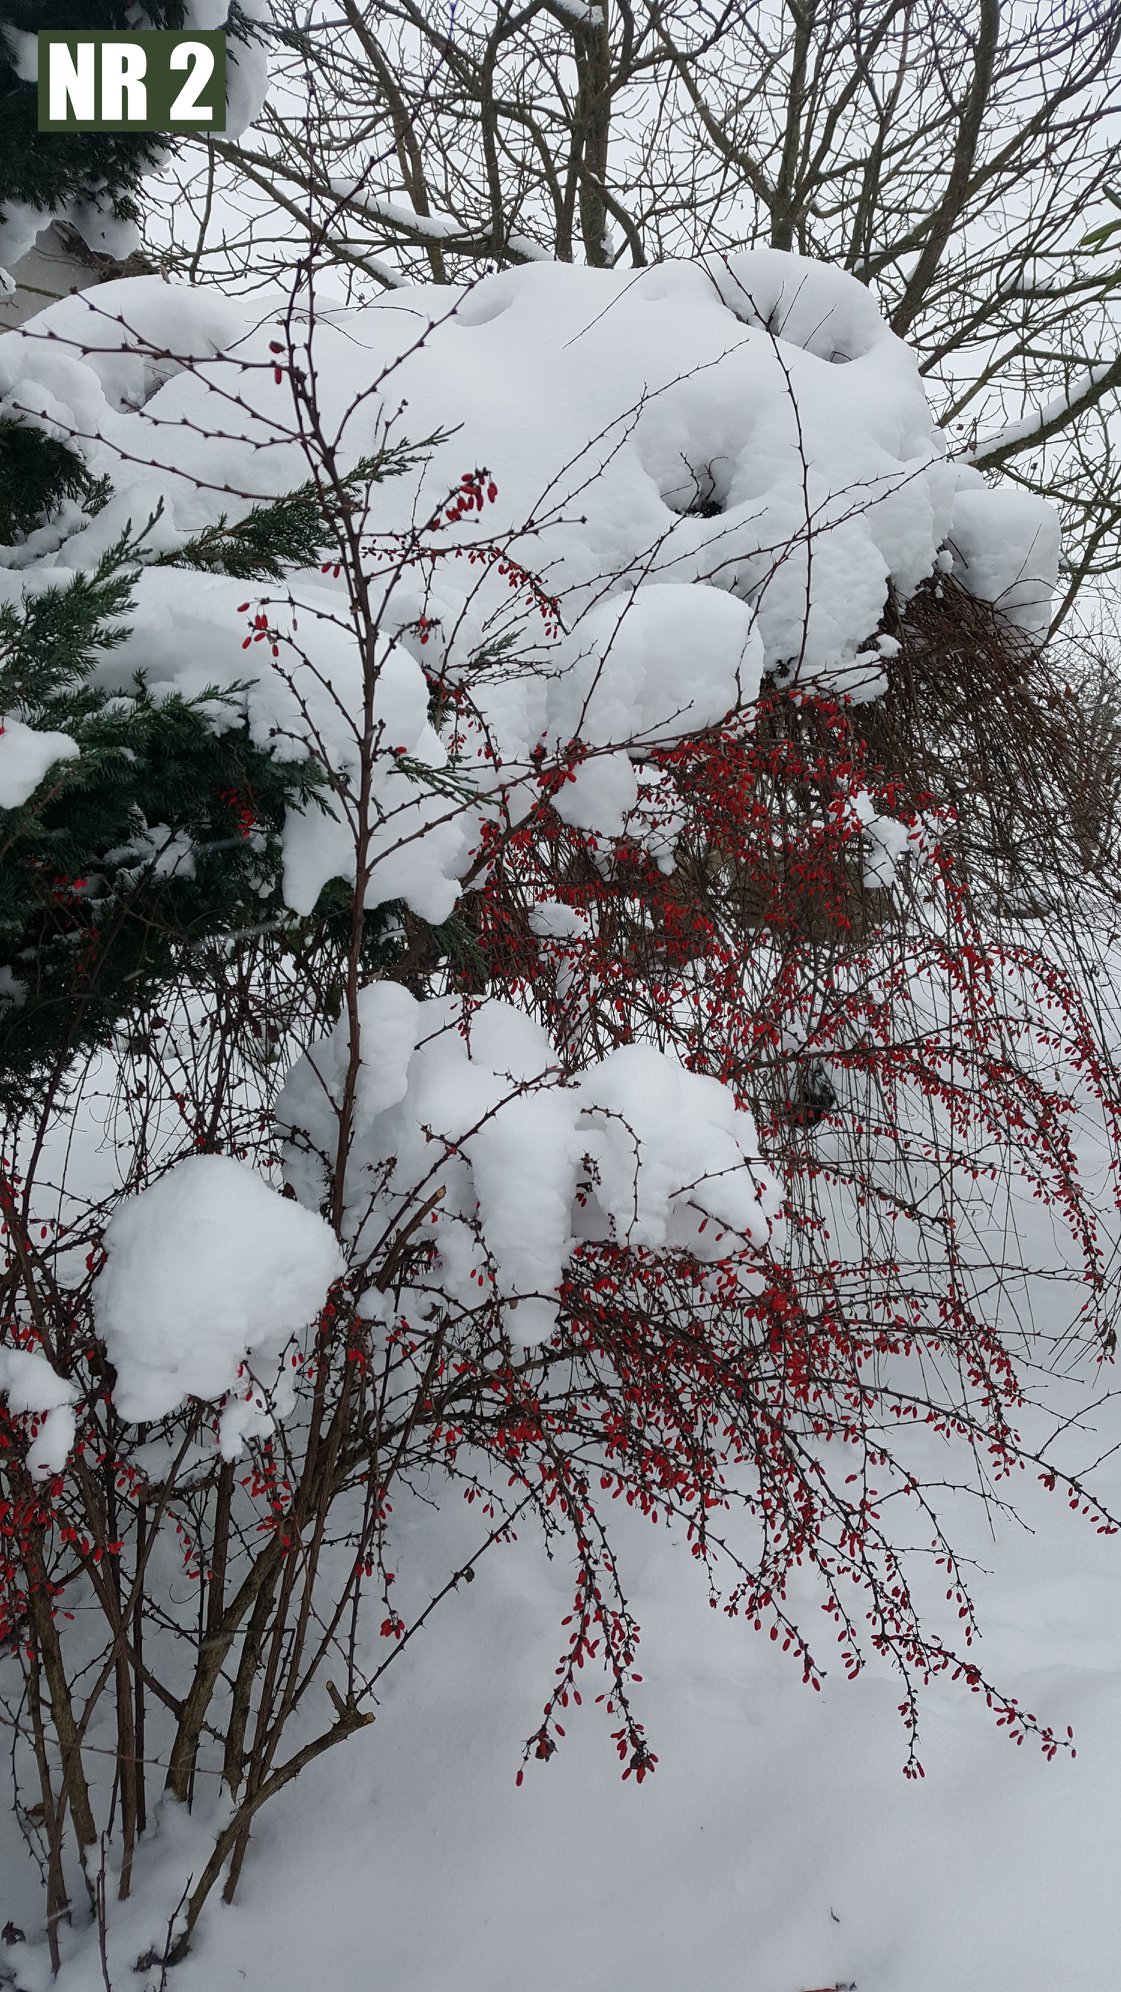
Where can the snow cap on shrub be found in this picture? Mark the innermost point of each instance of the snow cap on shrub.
(478, 1122)
(206, 1269)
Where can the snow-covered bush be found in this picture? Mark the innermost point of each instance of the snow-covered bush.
(613, 1099)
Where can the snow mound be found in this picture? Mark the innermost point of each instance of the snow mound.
(207, 1269)
(697, 473)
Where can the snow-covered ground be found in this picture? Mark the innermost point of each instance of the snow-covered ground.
(776, 1848)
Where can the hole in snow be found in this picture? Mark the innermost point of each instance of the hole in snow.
(700, 491)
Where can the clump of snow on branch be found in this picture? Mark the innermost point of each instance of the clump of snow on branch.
(885, 841)
(207, 1270)
(34, 1388)
(469, 1140)
(247, 69)
(26, 754)
(1005, 547)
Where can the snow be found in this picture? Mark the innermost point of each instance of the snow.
(158, 852)
(1005, 548)
(655, 664)
(885, 842)
(208, 1269)
(13, 992)
(433, 227)
(26, 756)
(678, 1164)
(776, 1849)
(470, 1121)
(32, 1386)
(1034, 428)
(247, 70)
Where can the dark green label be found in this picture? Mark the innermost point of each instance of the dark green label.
(154, 80)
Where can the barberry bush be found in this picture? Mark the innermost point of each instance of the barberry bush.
(590, 1083)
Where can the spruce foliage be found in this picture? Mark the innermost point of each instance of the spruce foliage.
(37, 472)
(55, 173)
(59, 176)
(160, 835)
(292, 531)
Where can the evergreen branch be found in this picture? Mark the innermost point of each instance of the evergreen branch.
(296, 529)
